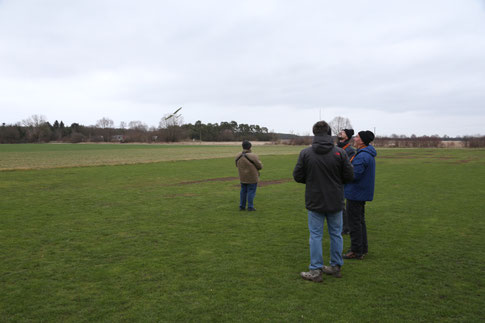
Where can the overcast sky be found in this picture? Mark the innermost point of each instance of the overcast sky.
(401, 66)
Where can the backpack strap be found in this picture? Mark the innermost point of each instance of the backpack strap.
(244, 154)
(239, 158)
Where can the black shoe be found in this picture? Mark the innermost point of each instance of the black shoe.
(251, 209)
(242, 209)
(353, 255)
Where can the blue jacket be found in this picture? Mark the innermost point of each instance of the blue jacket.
(362, 187)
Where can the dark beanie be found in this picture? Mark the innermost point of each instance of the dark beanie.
(349, 133)
(366, 136)
(246, 144)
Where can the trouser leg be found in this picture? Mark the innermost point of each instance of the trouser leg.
(365, 247)
(355, 211)
(315, 226)
(243, 195)
(251, 194)
(334, 225)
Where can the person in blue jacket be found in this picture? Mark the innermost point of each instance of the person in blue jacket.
(359, 191)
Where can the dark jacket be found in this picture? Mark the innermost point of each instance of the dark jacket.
(248, 166)
(345, 145)
(324, 169)
(362, 187)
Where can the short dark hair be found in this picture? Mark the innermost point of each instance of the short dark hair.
(246, 144)
(321, 128)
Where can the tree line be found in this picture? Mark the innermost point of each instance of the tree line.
(36, 129)
(171, 128)
(434, 141)
(402, 141)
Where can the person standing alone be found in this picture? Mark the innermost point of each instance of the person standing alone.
(324, 169)
(248, 166)
(360, 190)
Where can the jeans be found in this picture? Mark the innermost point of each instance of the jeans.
(334, 225)
(248, 191)
(358, 229)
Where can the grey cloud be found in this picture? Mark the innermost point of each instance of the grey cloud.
(383, 56)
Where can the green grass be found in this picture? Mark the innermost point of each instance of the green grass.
(37, 156)
(139, 243)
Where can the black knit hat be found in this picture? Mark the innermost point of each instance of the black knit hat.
(366, 136)
(349, 133)
(246, 144)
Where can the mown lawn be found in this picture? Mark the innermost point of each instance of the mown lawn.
(164, 241)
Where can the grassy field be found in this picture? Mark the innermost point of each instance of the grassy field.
(163, 241)
(35, 156)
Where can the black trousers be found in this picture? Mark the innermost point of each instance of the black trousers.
(358, 230)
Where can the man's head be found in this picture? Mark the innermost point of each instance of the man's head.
(346, 134)
(364, 138)
(246, 144)
(321, 128)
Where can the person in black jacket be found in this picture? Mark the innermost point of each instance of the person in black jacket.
(344, 138)
(324, 169)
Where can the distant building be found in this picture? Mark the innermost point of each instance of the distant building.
(119, 138)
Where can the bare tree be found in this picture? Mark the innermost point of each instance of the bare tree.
(171, 120)
(170, 126)
(137, 132)
(137, 125)
(339, 123)
(105, 123)
(34, 121)
(37, 128)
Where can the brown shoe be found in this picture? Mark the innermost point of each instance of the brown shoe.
(314, 275)
(353, 255)
(335, 271)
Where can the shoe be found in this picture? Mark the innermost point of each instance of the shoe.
(251, 209)
(335, 271)
(242, 209)
(314, 275)
(353, 255)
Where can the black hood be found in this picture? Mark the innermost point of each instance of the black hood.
(322, 144)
